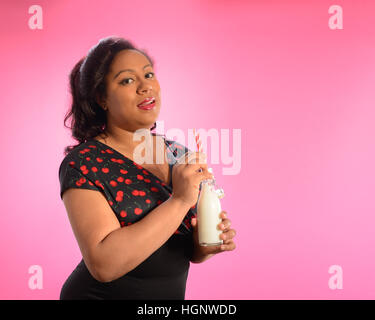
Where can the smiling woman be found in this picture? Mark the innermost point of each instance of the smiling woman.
(134, 223)
(130, 84)
(88, 85)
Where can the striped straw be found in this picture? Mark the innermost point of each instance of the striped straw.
(197, 140)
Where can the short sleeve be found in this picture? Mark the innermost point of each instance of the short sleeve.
(72, 177)
(177, 148)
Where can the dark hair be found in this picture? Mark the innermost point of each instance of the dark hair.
(87, 82)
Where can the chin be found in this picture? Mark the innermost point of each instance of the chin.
(148, 125)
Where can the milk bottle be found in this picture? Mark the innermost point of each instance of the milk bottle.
(208, 214)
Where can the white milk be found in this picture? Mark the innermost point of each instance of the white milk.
(208, 215)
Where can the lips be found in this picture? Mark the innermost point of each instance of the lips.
(146, 101)
(147, 106)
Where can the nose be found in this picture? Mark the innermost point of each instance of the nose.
(145, 87)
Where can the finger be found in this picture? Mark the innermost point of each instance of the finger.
(230, 246)
(197, 158)
(192, 158)
(227, 241)
(197, 168)
(230, 234)
(223, 214)
(182, 159)
(201, 176)
(225, 224)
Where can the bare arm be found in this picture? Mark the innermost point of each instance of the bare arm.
(144, 237)
(110, 251)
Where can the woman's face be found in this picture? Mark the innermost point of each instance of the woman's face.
(127, 89)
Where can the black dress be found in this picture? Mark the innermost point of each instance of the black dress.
(131, 191)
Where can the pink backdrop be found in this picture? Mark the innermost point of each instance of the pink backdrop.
(301, 93)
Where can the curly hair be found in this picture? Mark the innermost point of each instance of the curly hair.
(87, 82)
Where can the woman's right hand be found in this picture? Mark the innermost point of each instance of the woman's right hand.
(187, 175)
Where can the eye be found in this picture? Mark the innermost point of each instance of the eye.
(125, 81)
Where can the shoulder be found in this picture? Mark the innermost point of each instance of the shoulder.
(177, 147)
(76, 157)
(75, 170)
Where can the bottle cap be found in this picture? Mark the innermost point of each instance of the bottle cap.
(220, 193)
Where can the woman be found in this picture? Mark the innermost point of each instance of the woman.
(135, 224)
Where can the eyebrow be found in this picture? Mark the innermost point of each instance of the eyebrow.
(131, 70)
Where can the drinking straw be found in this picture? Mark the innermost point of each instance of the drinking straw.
(198, 140)
(219, 191)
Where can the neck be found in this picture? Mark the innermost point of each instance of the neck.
(125, 139)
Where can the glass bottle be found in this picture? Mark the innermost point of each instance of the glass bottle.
(208, 214)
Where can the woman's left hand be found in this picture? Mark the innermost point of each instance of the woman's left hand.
(227, 236)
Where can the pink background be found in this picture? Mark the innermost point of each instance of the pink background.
(302, 94)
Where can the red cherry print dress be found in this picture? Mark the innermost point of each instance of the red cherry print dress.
(132, 192)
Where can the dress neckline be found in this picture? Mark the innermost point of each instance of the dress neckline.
(132, 162)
